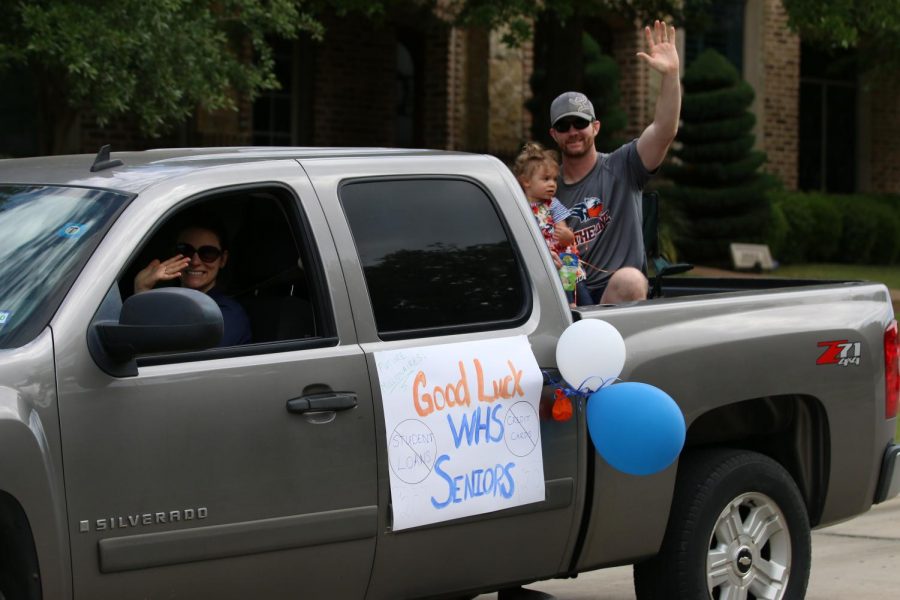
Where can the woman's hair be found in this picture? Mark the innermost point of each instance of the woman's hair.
(204, 219)
(533, 156)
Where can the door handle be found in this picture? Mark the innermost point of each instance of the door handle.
(324, 402)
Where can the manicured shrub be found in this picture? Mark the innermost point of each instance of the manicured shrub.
(717, 184)
(823, 227)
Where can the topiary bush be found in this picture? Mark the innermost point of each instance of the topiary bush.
(601, 85)
(717, 184)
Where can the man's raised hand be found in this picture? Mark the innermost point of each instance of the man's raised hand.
(661, 53)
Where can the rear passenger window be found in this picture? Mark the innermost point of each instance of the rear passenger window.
(436, 256)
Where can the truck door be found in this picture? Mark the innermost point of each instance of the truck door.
(430, 260)
(195, 477)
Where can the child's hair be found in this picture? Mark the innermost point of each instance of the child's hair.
(533, 156)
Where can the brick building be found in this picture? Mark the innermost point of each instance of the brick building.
(413, 80)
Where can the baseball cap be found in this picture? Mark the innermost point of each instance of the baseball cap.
(571, 104)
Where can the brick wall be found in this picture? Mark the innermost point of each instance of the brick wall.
(508, 89)
(436, 118)
(353, 103)
(634, 80)
(124, 134)
(885, 131)
(350, 106)
(456, 89)
(780, 98)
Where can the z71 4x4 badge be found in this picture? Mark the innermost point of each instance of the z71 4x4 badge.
(839, 352)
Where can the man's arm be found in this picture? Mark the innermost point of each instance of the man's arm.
(663, 57)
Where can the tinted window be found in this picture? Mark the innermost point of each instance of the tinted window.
(270, 287)
(435, 254)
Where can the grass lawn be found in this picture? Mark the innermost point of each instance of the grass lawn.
(886, 274)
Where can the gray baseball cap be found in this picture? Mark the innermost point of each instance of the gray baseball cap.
(571, 104)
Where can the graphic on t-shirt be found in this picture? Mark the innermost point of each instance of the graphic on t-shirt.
(594, 219)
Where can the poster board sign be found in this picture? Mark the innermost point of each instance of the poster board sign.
(463, 432)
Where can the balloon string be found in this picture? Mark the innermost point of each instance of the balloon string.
(581, 392)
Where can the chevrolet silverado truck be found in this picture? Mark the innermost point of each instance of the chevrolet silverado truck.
(141, 460)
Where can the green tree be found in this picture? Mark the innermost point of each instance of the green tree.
(870, 26)
(158, 61)
(718, 187)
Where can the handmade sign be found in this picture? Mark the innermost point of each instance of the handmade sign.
(462, 425)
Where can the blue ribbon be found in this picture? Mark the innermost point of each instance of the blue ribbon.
(580, 393)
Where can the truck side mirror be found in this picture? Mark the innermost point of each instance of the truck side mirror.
(163, 320)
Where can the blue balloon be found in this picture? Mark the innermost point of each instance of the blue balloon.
(635, 427)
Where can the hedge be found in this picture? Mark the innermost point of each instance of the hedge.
(855, 228)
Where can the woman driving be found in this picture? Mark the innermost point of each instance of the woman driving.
(200, 254)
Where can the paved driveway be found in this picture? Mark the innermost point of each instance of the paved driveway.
(856, 560)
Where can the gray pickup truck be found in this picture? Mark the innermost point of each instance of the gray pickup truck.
(142, 460)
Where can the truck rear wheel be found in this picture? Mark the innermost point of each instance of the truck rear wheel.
(738, 529)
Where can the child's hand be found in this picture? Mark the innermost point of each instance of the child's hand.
(563, 235)
(556, 260)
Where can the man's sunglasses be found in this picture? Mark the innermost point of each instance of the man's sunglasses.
(563, 125)
(207, 254)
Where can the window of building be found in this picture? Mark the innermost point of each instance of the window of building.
(721, 27)
(436, 256)
(272, 112)
(405, 105)
(827, 144)
(408, 93)
(19, 123)
(283, 117)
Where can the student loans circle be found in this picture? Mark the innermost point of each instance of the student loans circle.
(412, 451)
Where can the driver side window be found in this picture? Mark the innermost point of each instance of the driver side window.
(247, 250)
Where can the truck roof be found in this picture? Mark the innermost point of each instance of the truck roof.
(145, 168)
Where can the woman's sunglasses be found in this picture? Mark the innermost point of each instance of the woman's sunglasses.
(207, 254)
(563, 125)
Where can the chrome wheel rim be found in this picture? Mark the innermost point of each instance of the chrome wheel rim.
(749, 551)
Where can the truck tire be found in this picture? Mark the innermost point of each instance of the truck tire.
(738, 528)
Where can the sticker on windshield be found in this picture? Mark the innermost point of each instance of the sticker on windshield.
(4, 317)
(72, 230)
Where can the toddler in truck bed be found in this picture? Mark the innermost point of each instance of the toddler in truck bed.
(536, 170)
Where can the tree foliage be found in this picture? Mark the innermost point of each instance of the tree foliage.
(158, 61)
(870, 26)
(717, 187)
(518, 15)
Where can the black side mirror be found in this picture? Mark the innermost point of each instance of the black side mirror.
(163, 320)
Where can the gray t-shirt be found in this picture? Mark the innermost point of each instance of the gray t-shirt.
(606, 213)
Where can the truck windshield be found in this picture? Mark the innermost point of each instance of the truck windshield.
(47, 233)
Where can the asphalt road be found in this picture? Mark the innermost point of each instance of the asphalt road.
(855, 560)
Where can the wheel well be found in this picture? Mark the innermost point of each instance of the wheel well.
(19, 572)
(792, 430)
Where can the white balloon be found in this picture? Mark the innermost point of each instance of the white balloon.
(589, 354)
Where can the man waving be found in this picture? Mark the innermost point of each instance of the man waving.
(603, 191)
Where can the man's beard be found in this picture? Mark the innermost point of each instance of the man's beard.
(585, 148)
